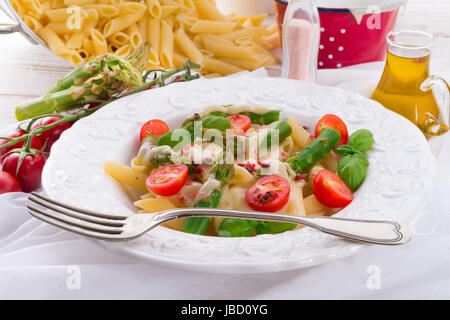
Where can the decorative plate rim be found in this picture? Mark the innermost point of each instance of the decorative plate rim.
(400, 151)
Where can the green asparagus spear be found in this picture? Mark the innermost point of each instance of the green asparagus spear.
(101, 78)
(198, 225)
(317, 150)
(284, 131)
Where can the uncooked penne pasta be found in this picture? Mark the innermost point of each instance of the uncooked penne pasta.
(215, 27)
(121, 23)
(154, 8)
(134, 35)
(167, 42)
(222, 50)
(208, 11)
(188, 47)
(217, 66)
(99, 42)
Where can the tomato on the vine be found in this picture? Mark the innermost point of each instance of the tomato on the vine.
(167, 181)
(29, 173)
(330, 190)
(334, 122)
(35, 144)
(52, 135)
(8, 183)
(269, 194)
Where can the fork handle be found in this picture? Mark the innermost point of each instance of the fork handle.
(370, 231)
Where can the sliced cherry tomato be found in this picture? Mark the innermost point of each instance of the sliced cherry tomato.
(8, 183)
(167, 181)
(35, 143)
(52, 135)
(29, 174)
(269, 194)
(240, 121)
(155, 128)
(336, 123)
(330, 190)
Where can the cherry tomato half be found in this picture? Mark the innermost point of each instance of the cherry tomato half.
(52, 135)
(29, 175)
(154, 127)
(35, 143)
(167, 181)
(8, 183)
(336, 123)
(269, 194)
(240, 121)
(330, 190)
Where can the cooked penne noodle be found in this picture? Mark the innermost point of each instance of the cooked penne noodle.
(126, 175)
(314, 208)
(300, 135)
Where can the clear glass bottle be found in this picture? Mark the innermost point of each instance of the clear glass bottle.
(301, 37)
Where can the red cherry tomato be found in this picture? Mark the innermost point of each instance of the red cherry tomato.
(35, 143)
(240, 121)
(336, 123)
(29, 175)
(8, 183)
(167, 181)
(330, 190)
(269, 194)
(52, 135)
(155, 128)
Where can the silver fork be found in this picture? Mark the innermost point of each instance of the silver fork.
(123, 228)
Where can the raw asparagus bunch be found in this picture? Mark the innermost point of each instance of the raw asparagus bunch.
(98, 79)
(183, 73)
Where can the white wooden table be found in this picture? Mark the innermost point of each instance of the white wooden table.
(28, 71)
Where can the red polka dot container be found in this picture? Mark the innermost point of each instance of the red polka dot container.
(352, 31)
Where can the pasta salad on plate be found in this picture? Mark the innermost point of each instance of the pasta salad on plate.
(244, 158)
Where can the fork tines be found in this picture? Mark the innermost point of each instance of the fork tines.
(84, 222)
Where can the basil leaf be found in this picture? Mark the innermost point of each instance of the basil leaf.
(344, 150)
(215, 122)
(279, 227)
(235, 228)
(177, 138)
(352, 171)
(361, 140)
(362, 156)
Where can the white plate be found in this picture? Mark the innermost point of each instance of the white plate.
(399, 177)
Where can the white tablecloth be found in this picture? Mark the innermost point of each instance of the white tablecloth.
(38, 261)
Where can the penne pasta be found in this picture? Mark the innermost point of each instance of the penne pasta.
(188, 47)
(166, 49)
(176, 30)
